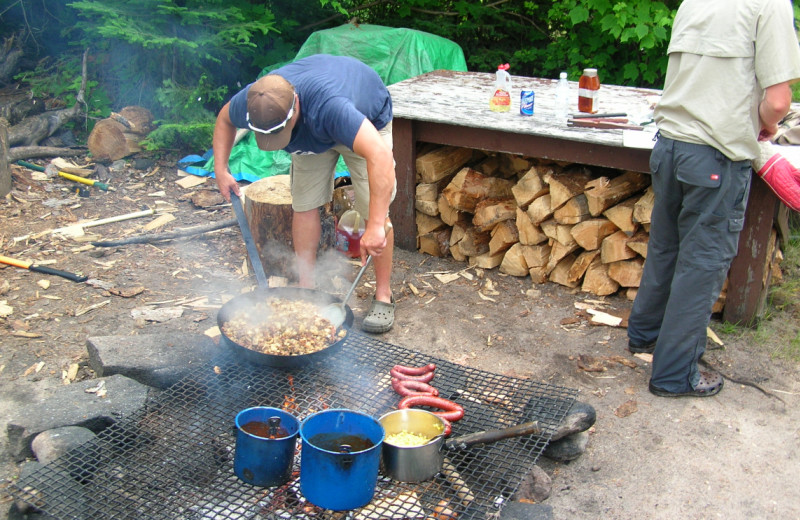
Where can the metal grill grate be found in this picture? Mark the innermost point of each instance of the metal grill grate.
(174, 457)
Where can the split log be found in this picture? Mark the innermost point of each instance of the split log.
(436, 243)
(455, 252)
(486, 260)
(514, 263)
(268, 207)
(469, 187)
(644, 207)
(622, 215)
(448, 213)
(568, 184)
(529, 234)
(575, 210)
(559, 252)
(589, 234)
(605, 193)
(540, 209)
(597, 281)
(474, 242)
(490, 212)
(614, 248)
(490, 166)
(430, 208)
(118, 136)
(628, 273)
(581, 264)
(504, 235)
(140, 119)
(427, 224)
(513, 165)
(638, 243)
(537, 256)
(530, 187)
(560, 273)
(538, 274)
(441, 162)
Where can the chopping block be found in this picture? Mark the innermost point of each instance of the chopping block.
(268, 208)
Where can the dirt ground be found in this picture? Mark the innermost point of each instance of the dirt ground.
(736, 455)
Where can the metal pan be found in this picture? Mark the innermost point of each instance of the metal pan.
(243, 303)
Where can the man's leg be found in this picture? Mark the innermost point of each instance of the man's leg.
(306, 230)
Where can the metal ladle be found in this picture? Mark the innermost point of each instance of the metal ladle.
(335, 312)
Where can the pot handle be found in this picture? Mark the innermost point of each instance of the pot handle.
(489, 436)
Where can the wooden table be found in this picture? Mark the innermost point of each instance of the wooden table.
(452, 108)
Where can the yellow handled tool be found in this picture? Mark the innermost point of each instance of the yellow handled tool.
(42, 269)
(83, 180)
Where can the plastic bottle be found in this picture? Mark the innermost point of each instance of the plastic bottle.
(349, 231)
(588, 90)
(562, 97)
(501, 98)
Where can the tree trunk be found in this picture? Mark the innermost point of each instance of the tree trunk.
(5, 171)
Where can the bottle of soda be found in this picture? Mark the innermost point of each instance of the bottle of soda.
(588, 90)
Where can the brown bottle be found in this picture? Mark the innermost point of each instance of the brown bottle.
(588, 90)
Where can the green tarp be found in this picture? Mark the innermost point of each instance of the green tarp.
(395, 54)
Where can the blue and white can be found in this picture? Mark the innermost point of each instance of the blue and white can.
(526, 102)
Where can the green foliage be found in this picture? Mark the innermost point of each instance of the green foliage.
(180, 136)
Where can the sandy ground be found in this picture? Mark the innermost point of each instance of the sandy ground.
(735, 455)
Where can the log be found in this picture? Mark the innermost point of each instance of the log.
(474, 242)
(638, 243)
(559, 252)
(441, 162)
(614, 248)
(486, 260)
(568, 184)
(537, 256)
(597, 281)
(560, 273)
(139, 118)
(455, 252)
(540, 209)
(490, 166)
(644, 207)
(512, 165)
(490, 212)
(529, 234)
(627, 273)
(436, 243)
(514, 262)
(602, 195)
(107, 140)
(447, 213)
(622, 215)
(427, 224)
(589, 234)
(581, 264)
(538, 275)
(469, 187)
(531, 186)
(430, 208)
(5, 171)
(575, 210)
(504, 235)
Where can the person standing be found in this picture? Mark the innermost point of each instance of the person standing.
(731, 63)
(318, 108)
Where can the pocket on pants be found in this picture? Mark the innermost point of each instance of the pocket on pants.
(701, 168)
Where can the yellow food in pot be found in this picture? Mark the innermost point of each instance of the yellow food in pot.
(406, 439)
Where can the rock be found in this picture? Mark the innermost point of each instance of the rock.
(568, 448)
(37, 496)
(25, 469)
(51, 444)
(524, 511)
(157, 360)
(536, 487)
(580, 418)
(72, 406)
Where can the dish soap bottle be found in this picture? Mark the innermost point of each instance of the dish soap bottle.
(501, 99)
(562, 97)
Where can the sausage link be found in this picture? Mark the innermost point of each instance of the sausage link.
(451, 411)
(425, 378)
(411, 371)
(406, 387)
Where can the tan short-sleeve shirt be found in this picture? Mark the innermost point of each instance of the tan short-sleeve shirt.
(722, 55)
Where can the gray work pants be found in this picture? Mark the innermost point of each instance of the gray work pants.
(700, 199)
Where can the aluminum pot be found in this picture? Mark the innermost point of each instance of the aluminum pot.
(420, 463)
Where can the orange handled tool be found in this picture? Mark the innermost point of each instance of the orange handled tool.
(42, 269)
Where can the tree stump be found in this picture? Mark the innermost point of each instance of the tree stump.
(268, 208)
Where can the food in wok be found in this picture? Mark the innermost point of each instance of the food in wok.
(282, 327)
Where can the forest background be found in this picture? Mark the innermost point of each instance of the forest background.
(182, 59)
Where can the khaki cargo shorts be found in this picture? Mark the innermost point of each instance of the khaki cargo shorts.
(312, 176)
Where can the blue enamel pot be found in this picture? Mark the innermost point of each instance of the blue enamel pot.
(266, 439)
(340, 456)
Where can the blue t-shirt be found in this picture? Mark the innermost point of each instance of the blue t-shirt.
(336, 94)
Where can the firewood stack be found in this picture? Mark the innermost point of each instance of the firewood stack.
(528, 217)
